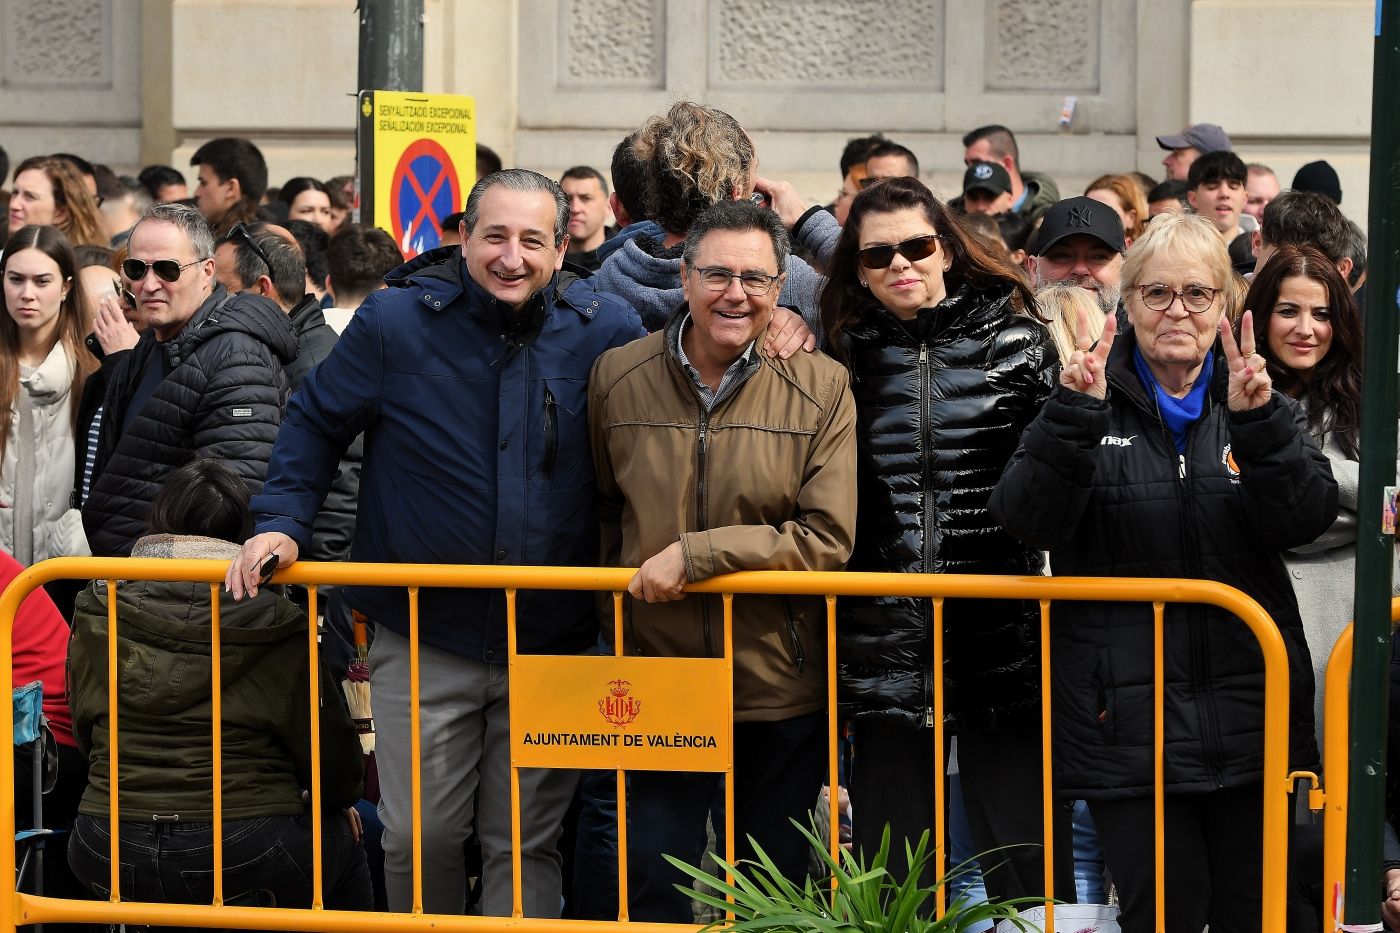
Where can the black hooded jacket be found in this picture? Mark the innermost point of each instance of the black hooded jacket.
(222, 398)
(942, 402)
(1101, 485)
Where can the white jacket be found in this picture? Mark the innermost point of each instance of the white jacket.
(57, 528)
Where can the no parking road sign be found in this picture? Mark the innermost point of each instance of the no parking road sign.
(417, 161)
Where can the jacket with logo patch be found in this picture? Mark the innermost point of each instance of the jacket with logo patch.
(476, 447)
(1101, 486)
(222, 398)
(760, 482)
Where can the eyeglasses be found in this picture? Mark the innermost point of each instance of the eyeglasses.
(241, 233)
(167, 270)
(880, 257)
(717, 279)
(1194, 298)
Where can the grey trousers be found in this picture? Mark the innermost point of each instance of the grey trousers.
(465, 759)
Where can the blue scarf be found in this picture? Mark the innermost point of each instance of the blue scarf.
(1178, 413)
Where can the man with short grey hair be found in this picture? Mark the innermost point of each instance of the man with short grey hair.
(713, 457)
(206, 379)
(467, 376)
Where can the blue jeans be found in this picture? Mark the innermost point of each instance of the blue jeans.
(267, 862)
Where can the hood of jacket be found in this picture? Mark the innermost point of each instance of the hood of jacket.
(173, 618)
(647, 275)
(243, 313)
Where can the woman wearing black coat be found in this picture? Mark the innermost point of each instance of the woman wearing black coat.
(947, 370)
(1158, 458)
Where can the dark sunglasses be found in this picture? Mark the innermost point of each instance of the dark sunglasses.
(167, 270)
(242, 234)
(880, 257)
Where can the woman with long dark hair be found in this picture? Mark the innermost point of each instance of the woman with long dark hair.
(1309, 331)
(43, 365)
(948, 367)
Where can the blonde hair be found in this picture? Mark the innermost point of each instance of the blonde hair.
(1183, 236)
(1060, 306)
(1129, 193)
(694, 156)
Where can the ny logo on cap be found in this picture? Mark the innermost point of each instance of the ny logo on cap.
(982, 171)
(1080, 217)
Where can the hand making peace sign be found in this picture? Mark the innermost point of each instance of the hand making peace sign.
(1250, 384)
(1084, 371)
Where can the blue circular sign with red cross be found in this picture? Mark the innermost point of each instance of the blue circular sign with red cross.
(423, 191)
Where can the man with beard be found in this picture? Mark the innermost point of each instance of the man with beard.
(1080, 243)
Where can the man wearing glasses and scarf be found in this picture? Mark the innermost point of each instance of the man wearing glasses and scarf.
(206, 379)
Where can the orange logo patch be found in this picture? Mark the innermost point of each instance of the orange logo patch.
(1228, 459)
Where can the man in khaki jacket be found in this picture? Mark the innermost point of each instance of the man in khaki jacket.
(713, 458)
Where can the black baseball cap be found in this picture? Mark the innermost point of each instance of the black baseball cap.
(1079, 215)
(988, 176)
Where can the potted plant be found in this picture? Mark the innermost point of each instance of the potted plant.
(868, 898)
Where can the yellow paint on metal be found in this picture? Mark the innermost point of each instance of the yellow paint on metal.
(313, 661)
(27, 909)
(1047, 777)
(641, 714)
(1159, 800)
(1336, 753)
(216, 716)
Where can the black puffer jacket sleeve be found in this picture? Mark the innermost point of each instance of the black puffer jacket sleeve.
(1047, 484)
(1287, 479)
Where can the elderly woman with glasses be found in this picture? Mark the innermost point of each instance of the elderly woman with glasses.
(948, 367)
(1163, 454)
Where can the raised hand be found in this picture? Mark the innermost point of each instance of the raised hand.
(1250, 384)
(1084, 371)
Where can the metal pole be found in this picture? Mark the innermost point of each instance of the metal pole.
(391, 45)
(1375, 550)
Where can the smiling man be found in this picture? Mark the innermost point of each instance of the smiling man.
(711, 458)
(206, 379)
(467, 376)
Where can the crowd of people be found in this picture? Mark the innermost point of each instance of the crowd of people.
(1152, 379)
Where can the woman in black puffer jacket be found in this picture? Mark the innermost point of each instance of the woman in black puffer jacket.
(947, 369)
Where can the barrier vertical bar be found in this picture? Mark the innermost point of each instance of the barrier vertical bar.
(1336, 740)
(114, 830)
(1047, 775)
(517, 896)
(833, 739)
(940, 766)
(216, 716)
(415, 750)
(729, 757)
(7, 777)
(314, 698)
(618, 651)
(1159, 800)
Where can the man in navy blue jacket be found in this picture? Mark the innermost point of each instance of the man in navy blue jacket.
(468, 377)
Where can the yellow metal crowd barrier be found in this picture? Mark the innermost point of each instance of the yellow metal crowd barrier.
(18, 909)
(1336, 762)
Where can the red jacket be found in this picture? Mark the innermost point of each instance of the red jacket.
(40, 651)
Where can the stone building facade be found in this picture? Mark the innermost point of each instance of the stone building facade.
(558, 82)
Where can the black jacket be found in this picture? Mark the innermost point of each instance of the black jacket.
(942, 404)
(223, 398)
(335, 522)
(1100, 484)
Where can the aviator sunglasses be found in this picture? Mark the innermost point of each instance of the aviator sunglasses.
(879, 257)
(167, 270)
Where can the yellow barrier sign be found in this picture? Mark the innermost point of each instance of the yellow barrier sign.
(645, 714)
(417, 162)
